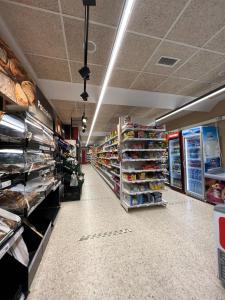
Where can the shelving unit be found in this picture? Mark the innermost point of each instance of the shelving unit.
(105, 161)
(142, 166)
(30, 188)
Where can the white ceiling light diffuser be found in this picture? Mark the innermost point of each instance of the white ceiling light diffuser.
(117, 44)
(187, 106)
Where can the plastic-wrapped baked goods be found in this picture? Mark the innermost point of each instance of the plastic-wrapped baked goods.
(21, 97)
(12, 169)
(2, 234)
(29, 90)
(17, 201)
(12, 224)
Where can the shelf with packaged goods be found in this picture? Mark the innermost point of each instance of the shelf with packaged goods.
(127, 207)
(145, 180)
(142, 171)
(109, 151)
(143, 159)
(140, 191)
(108, 140)
(144, 139)
(111, 145)
(115, 166)
(107, 166)
(144, 150)
(115, 174)
(142, 129)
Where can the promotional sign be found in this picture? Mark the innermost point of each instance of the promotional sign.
(191, 131)
(211, 147)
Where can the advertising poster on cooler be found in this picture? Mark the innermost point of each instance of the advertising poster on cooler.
(211, 148)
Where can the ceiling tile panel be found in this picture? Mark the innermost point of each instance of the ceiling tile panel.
(148, 82)
(199, 64)
(173, 85)
(122, 78)
(96, 76)
(197, 88)
(49, 4)
(106, 11)
(49, 68)
(169, 49)
(217, 43)
(102, 37)
(135, 51)
(36, 31)
(199, 22)
(217, 75)
(154, 17)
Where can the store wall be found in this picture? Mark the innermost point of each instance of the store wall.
(198, 117)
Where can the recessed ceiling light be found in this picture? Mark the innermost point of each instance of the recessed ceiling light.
(167, 61)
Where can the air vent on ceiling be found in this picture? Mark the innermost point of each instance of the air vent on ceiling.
(167, 61)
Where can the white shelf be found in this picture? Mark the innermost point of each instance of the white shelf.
(127, 206)
(115, 166)
(115, 174)
(109, 167)
(115, 144)
(141, 192)
(145, 180)
(143, 139)
(143, 150)
(110, 151)
(140, 171)
(143, 129)
(108, 140)
(143, 159)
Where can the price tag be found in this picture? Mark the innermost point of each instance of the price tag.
(5, 184)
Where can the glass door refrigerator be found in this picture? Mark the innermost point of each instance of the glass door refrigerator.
(176, 161)
(201, 154)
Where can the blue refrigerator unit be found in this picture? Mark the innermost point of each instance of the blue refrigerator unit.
(202, 153)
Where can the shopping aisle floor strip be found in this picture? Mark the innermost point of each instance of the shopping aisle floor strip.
(105, 234)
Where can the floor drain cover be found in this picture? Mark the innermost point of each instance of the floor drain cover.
(103, 234)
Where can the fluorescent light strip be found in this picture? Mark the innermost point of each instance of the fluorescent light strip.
(14, 151)
(190, 105)
(118, 41)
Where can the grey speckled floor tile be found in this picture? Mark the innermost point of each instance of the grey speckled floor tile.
(169, 255)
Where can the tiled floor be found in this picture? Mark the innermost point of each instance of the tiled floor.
(169, 253)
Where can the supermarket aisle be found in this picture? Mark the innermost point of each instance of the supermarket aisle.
(166, 253)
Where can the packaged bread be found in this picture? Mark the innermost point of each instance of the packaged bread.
(16, 69)
(29, 90)
(21, 97)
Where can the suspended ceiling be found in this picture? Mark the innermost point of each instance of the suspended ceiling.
(50, 34)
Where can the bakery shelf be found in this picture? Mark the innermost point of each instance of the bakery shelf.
(145, 180)
(8, 243)
(127, 207)
(142, 171)
(144, 150)
(140, 192)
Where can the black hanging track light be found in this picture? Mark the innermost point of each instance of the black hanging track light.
(85, 71)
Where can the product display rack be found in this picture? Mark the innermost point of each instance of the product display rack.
(142, 166)
(30, 188)
(105, 161)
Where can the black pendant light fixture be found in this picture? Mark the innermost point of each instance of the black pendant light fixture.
(85, 71)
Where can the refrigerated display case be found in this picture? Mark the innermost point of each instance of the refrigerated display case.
(175, 161)
(201, 149)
